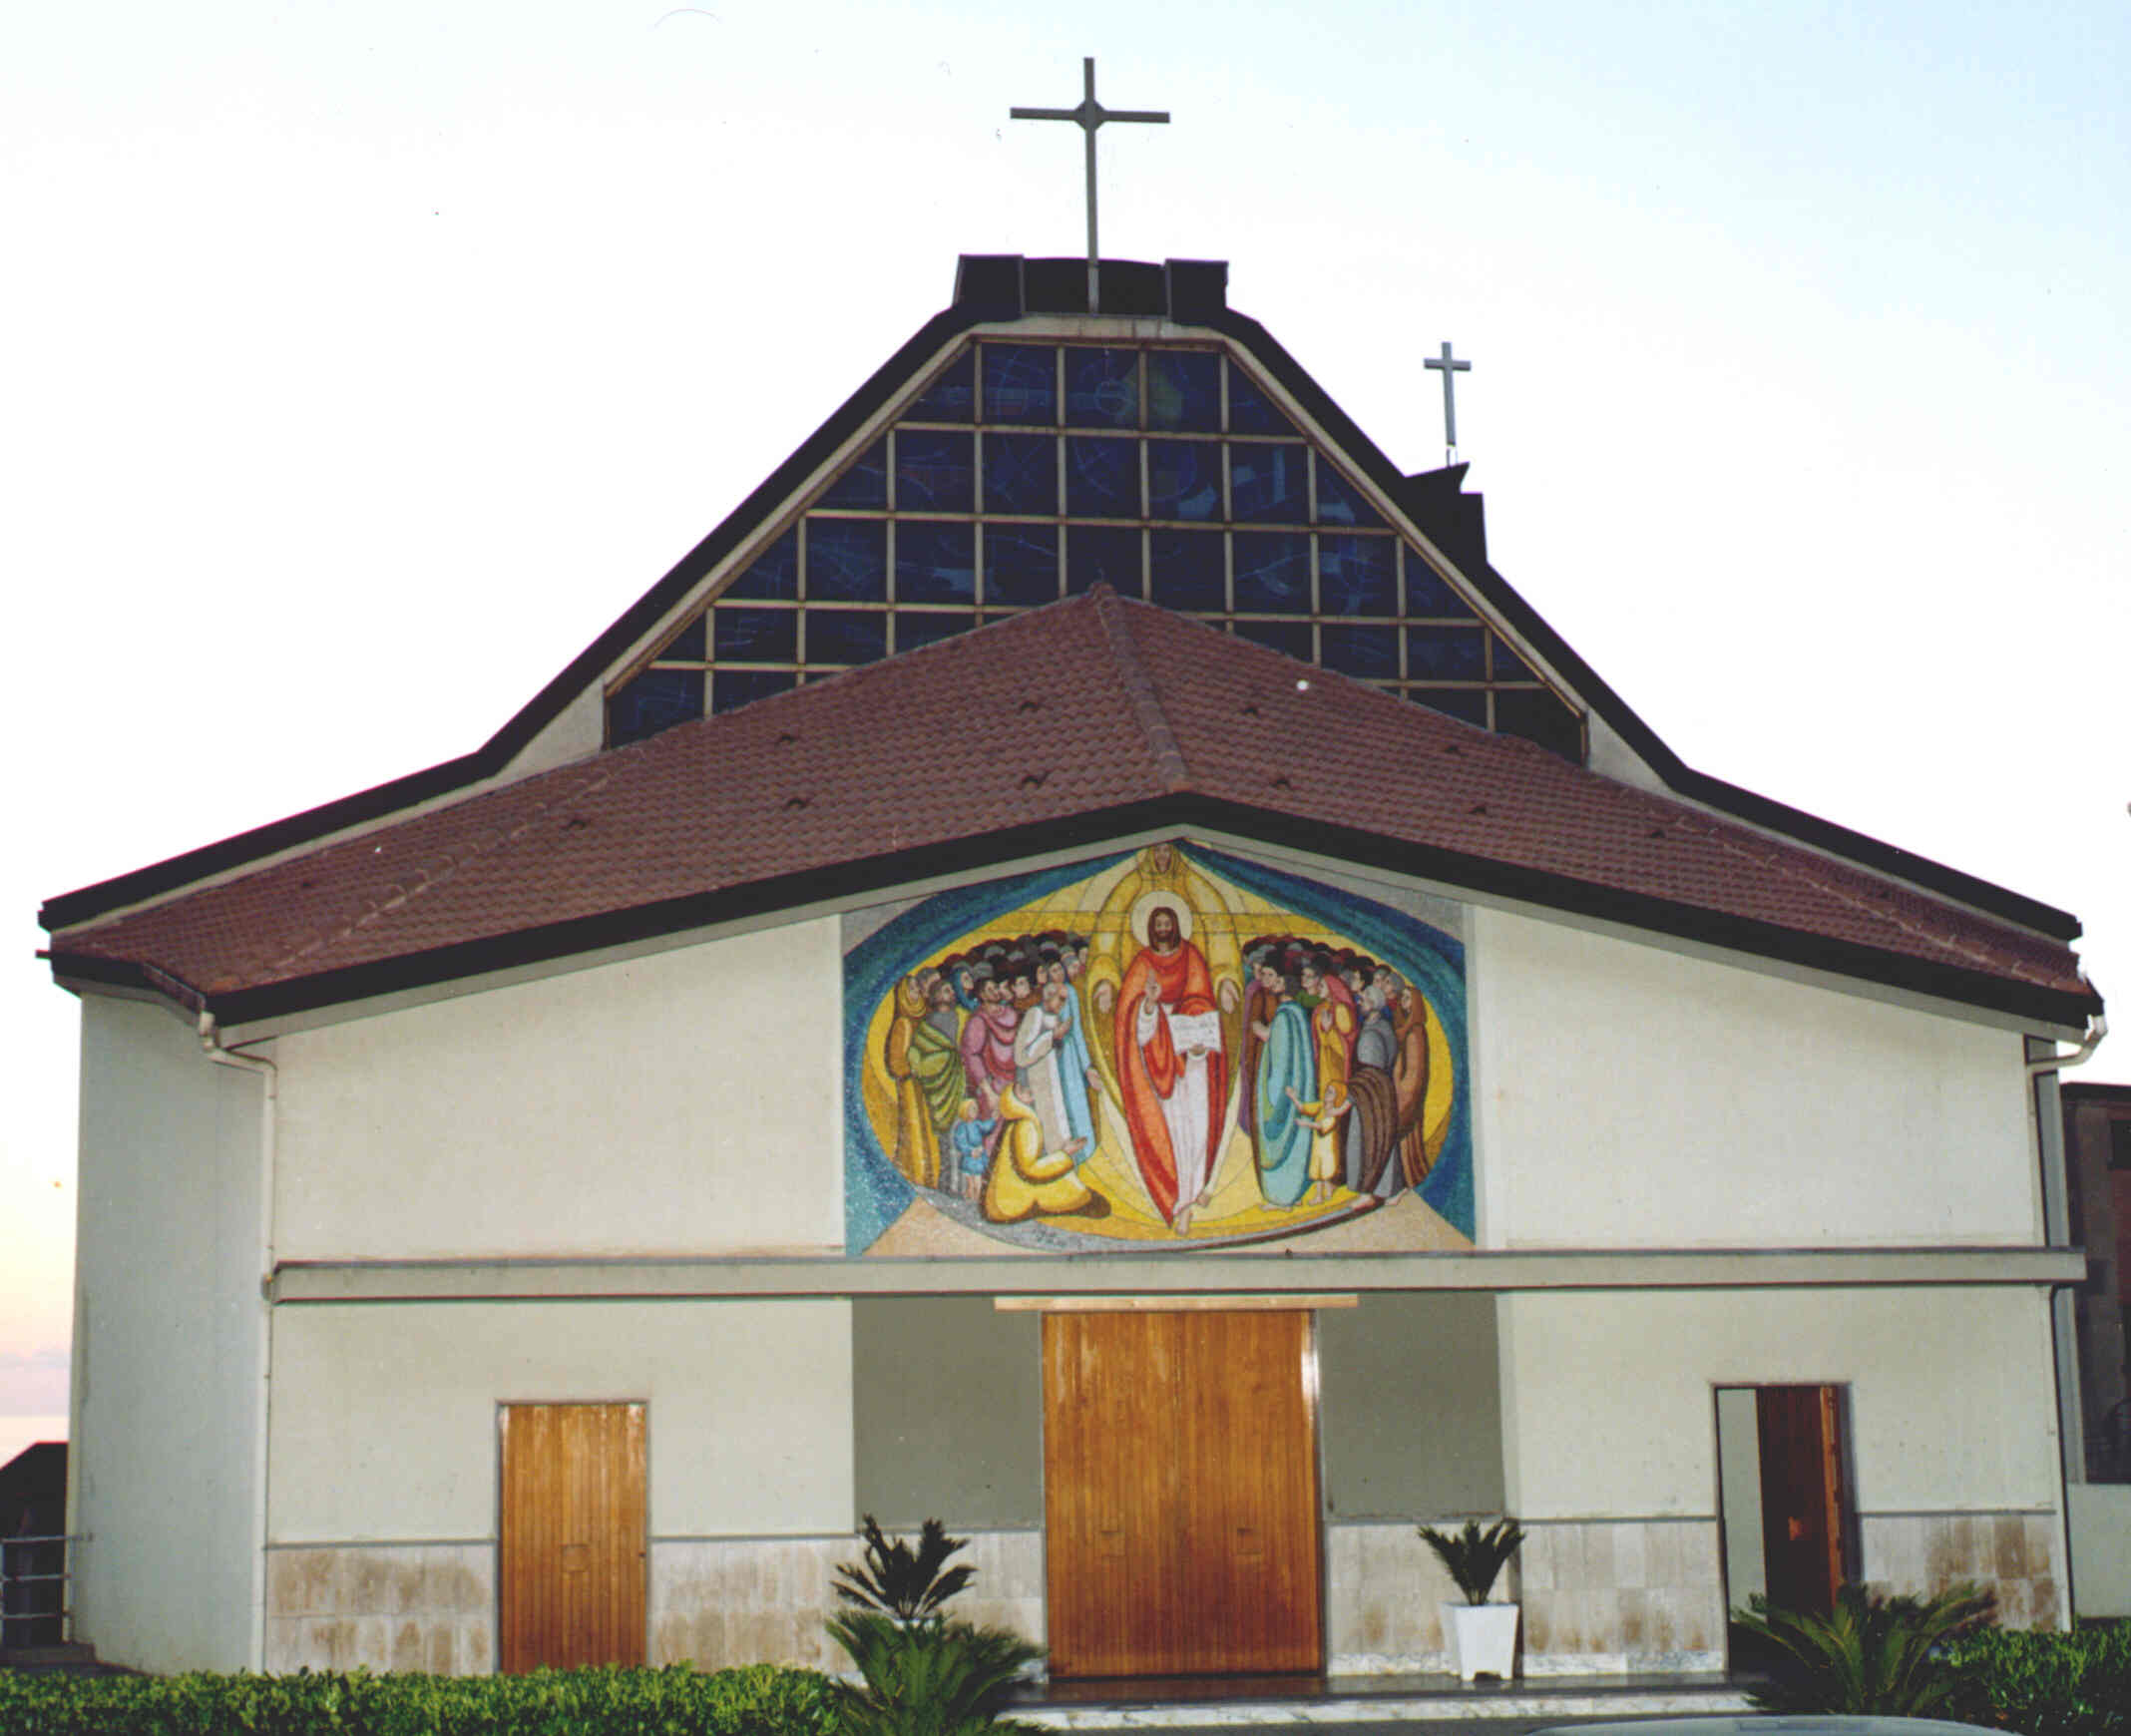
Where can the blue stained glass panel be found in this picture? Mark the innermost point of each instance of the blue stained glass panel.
(775, 573)
(1273, 571)
(1446, 653)
(913, 630)
(865, 484)
(1357, 574)
(953, 396)
(1537, 715)
(1020, 474)
(935, 471)
(756, 636)
(1503, 664)
(935, 563)
(1101, 552)
(1291, 637)
(1269, 484)
(654, 700)
(687, 645)
(1185, 478)
(732, 688)
(1102, 387)
(1021, 564)
(1249, 412)
(1369, 651)
(1102, 478)
(1467, 705)
(847, 560)
(1021, 383)
(1185, 390)
(845, 635)
(1429, 594)
(1339, 502)
(1187, 569)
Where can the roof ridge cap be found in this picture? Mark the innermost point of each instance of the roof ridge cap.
(1139, 690)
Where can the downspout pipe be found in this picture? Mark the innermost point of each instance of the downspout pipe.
(269, 1106)
(2097, 1028)
(2047, 1110)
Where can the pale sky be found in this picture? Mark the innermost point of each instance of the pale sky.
(363, 362)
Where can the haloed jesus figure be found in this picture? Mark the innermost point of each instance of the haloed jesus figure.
(1172, 1066)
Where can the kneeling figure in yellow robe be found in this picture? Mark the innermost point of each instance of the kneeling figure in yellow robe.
(1027, 1181)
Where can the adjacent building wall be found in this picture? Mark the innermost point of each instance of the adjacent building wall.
(684, 1102)
(1630, 1096)
(167, 1346)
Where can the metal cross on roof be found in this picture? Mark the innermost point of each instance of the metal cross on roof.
(1449, 403)
(1091, 115)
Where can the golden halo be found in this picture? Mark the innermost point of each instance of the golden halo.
(1143, 907)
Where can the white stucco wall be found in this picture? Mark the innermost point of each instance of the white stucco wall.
(687, 1101)
(167, 1316)
(384, 1417)
(1609, 1403)
(1631, 1096)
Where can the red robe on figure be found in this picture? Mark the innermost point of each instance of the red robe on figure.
(1180, 984)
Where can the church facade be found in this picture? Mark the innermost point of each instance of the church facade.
(1322, 1065)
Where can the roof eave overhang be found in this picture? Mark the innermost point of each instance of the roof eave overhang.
(845, 881)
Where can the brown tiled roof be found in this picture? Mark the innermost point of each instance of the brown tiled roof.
(1080, 722)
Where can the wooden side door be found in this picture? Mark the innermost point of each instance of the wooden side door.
(1802, 1495)
(1180, 1494)
(570, 1566)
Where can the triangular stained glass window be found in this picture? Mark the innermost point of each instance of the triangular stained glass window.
(1021, 472)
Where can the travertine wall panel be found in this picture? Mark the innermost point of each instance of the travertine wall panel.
(1621, 1594)
(2015, 1557)
(723, 1601)
(407, 1606)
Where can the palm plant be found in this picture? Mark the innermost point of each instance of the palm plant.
(928, 1677)
(1475, 1557)
(1870, 1653)
(898, 1580)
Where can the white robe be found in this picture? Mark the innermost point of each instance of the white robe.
(1186, 1110)
(1036, 1076)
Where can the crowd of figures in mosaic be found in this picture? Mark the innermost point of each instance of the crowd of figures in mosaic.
(1028, 472)
(1170, 1047)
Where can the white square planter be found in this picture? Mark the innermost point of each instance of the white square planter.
(1482, 1638)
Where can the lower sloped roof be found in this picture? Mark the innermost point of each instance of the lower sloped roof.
(1086, 720)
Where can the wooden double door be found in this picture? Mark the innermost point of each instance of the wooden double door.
(1180, 1494)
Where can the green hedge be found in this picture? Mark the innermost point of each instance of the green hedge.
(2046, 1684)
(760, 1700)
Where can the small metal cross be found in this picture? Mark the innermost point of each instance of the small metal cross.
(1449, 403)
(1091, 115)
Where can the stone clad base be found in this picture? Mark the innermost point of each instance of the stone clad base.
(716, 1603)
(1382, 1587)
(2012, 1555)
(382, 1607)
(1601, 1595)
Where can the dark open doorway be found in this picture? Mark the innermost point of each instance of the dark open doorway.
(1784, 1485)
